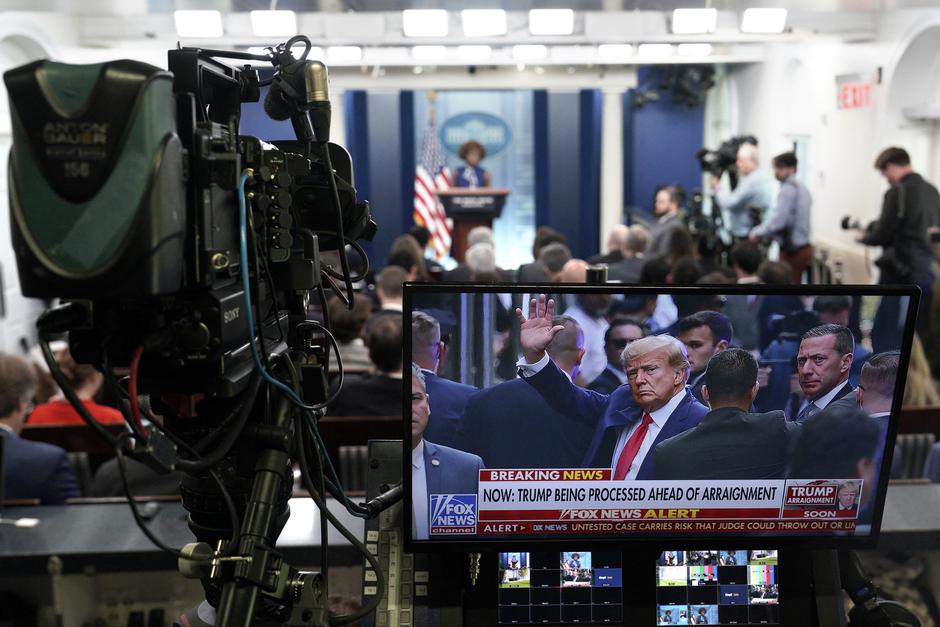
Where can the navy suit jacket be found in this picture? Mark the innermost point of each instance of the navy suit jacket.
(36, 470)
(447, 401)
(498, 419)
(456, 472)
(609, 414)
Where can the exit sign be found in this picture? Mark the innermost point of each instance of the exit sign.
(853, 91)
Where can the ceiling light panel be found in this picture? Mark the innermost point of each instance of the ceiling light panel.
(474, 53)
(198, 23)
(528, 52)
(483, 22)
(614, 52)
(551, 21)
(694, 50)
(424, 23)
(764, 20)
(344, 53)
(429, 53)
(655, 50)
(694, 21)
(273, 23)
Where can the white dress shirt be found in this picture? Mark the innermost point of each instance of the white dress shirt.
(419, 492)
(660, 416)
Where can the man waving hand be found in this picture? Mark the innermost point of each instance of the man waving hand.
(654, 405)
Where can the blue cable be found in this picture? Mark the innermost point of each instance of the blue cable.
(249, 320)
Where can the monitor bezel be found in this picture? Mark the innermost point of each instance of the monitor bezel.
(744, 542)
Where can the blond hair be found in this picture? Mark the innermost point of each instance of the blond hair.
(676, 355)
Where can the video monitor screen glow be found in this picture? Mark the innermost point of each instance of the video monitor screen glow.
(717, 588)
(560, 587)
(620, 412)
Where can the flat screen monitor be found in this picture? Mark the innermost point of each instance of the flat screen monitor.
(576, 413)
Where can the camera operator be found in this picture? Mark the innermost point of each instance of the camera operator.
(910, 207)
(752, 191)
(789, 222)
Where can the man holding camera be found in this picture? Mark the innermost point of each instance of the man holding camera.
(789, 222)
(751, 194)
(909, 209)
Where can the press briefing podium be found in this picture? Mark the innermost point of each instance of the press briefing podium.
(470, 208)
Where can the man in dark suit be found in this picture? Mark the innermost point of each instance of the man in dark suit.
(377, 394)
(823, 364)
(535, 272)
(429, 353)
(910, 208)
(615, 244)
(435, 469)
(705, 334)
(729, 442)
(618, 335)
(628, 423)
(840, 442)
(498, 418)
(31, 470)
(628, 269)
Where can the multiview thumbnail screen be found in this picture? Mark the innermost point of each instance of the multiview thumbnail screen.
(717, 588)
(560, 587)
(570, 412)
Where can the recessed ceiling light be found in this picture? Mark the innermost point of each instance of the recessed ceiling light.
(474, 53)
(426, 53)
(273, 23)
(424, 23)
(344, 53)
(483, 22)
(198, 23)
(655, 50)
(528, 52)
(763, 20)
(694, 50)
(551, 21)
(614, 52)
(694, 21)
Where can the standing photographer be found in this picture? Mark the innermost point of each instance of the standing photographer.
(789, 222)
(751, 194)
(910, 207)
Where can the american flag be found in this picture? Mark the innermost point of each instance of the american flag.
(431, 175)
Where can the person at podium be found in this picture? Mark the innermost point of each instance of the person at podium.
(472, 175)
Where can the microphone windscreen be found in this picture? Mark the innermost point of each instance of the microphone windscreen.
(274, 104)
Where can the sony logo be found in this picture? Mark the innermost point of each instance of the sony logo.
(230, 315)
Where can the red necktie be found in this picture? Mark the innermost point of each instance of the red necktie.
(631, 448)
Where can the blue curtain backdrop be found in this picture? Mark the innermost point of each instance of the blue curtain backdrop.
(661, 138)
(567, 152)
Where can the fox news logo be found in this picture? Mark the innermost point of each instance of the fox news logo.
(823, 494)
(453, 513)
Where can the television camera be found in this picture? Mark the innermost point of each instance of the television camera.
(186, 254)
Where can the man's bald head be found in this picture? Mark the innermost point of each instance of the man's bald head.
(617, 237)
(567, 347)
(574, 271)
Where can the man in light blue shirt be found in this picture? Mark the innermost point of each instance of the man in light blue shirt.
(753, 190)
